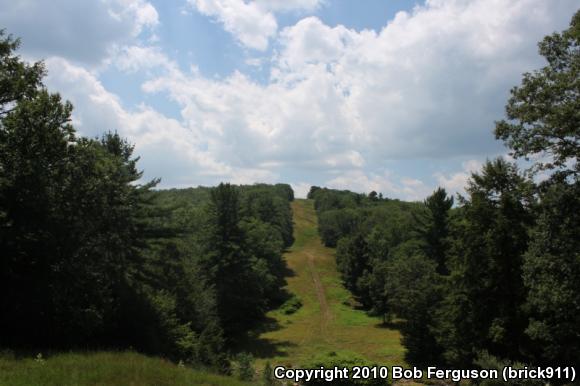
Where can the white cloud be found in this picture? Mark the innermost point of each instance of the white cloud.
(338, 103)
(385, 182)
(457, 182)
(252, 23)
(85, 31)
(301, 189)
(429, 85)
(136, 58)
(290, 5)
(167, 147)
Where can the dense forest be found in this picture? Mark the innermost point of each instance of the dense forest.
(93, 258)
(494, 279)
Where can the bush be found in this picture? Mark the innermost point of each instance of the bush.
(245, 366)
(291, 305)
(268, 375)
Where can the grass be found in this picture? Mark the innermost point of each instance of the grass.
(325, 322)
(104, 368)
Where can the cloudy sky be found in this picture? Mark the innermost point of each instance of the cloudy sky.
(397, 96)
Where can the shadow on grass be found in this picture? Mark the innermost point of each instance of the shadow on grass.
(287, 271)
(264, 347)
(395, 324)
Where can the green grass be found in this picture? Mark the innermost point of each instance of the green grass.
(104, 368)
(316, 328)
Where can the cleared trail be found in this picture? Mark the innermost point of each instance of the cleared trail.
(320, 293)
(326, 322)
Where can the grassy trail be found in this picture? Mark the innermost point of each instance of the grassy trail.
(327, 321)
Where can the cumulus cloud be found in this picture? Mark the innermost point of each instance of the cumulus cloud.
(289, 5)
(136, 58)
(385, 182)
(301, 189)
(168, 148)
(339, 103)
(432, 81)
(456, 182)
(252, 23)
(84, 31)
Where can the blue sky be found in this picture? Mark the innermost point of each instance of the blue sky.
(397, 96)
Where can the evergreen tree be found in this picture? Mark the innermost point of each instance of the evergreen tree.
(434, 227)
(483, 307)
(413, 292)
(229, 263)
(551, 273)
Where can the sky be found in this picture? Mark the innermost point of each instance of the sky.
(396, 96)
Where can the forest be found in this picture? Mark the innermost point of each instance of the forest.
(95, 258)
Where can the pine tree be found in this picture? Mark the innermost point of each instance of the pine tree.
(434, 227)
(483, 307)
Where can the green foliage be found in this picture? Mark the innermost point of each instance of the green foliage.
(551, 273)
(542, 112)
(271, 205)
(353, 260)
(268, 375)
(18, 80)
(486, 361)
(245, 366)
(328, 199)
(291, 305)
(487, 252)
(336, 223)
(433, 227)
(412, 291)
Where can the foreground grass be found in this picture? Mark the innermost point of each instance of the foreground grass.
(104, 368)
(326, 322)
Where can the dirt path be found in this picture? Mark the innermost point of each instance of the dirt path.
(325, 322)
(320, 294)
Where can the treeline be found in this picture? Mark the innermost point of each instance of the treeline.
(495, 279)
(91, 258)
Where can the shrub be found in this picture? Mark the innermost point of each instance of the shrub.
(291, 305)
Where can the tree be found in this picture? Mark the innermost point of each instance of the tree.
(18, 79)
(352, 259)
(551, 273)
(544, 121)
(434, 227)
(72, 231)
(413, 292)
(336, 223)
(483, 306)
(34, 163)
(228, 262)
(544, 111)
